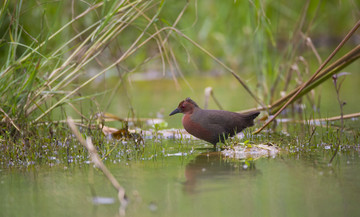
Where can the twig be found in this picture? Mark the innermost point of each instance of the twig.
(312, 134)
(337, 146)
(77, 111)
(99, 164)
(11, 121)
(336, 118)
(341, 104)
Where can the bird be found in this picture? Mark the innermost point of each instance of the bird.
(212, 126)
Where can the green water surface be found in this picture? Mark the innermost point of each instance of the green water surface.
(204, 184)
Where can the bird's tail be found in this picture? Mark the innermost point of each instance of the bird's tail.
(250, 117)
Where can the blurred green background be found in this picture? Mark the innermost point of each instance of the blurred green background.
(261, 41)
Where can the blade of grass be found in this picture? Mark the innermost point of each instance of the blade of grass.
(85, 60)
(128, 52)
(50, 37)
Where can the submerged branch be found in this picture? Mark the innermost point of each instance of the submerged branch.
(99, 164)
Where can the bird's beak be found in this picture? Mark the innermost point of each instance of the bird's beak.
(177, 110)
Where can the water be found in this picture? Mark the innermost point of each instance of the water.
(197, 185)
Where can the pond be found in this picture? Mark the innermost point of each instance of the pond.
(190, 178)
(204, 183)
(133, 62)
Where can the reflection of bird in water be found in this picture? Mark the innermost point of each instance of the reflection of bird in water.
(212, 166)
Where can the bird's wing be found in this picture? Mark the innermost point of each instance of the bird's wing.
(219, 121)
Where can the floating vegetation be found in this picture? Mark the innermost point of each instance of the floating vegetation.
(247, 151)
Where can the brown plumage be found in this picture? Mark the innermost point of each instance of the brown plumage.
(212, 125)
